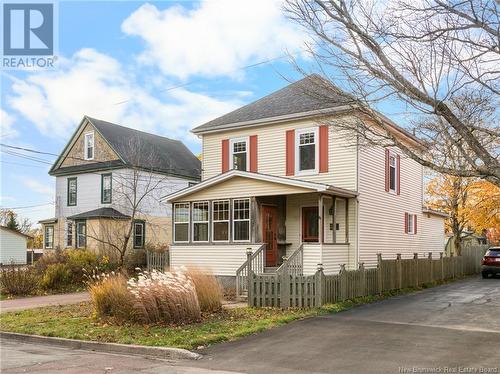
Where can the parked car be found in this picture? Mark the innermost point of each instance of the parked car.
(490, 264)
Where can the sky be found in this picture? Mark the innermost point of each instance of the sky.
(163, 67)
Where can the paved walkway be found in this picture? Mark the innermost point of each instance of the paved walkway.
(39, 301)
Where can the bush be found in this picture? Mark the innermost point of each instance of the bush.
(135, 258)
(55, 257)
(56, 276)
(111, 298)
(164, 298)
(207, 288)
(18, 280)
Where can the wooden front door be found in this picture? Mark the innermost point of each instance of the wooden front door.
(310, 224)
(269, 233)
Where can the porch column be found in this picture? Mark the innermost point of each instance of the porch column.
(334, 219)
(321, 225)
(347, 220)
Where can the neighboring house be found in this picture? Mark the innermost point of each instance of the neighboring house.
(102, 170)
(13, 245)
(274, 173)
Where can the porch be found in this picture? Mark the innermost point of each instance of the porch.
(277, 219)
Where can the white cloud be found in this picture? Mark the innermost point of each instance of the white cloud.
(47, 190)
(214, 38)
(7, 125)
(93, 83)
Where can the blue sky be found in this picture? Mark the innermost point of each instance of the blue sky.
(118, 61)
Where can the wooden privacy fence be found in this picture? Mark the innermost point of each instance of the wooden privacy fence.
(157, 260)
(288, 289)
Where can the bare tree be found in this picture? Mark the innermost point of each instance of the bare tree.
(438, 58)
(136, 193)
(23, 225)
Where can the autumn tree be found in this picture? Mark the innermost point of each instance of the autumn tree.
(436, 59)
(10, 219)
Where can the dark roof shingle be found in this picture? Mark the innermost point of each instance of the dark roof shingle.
(100, 213)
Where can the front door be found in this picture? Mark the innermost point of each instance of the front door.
(310, 224)
(269, 233)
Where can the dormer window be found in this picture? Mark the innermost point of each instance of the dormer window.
(89, 146)
(239, 154)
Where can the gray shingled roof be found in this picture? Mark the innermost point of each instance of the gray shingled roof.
(311, 93)
(100, 213)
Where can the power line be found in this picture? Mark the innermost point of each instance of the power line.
(26, 206)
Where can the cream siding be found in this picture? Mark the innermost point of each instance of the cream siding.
(271, 153)
(219, 259)
(331, 256)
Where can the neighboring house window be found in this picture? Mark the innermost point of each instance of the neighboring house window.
(392, 172)
(49, 237)
(410, 223)
(241, 220)
(106, 188)
(139, 234)
(69, 234)
(89, 146)
(181, 222)
(306, 152)
(239, 154)
(81, 234)
(200, 221)
(220, 221)
(72, 191)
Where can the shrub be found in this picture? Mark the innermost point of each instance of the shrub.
(55, 257)
(164, 298)
(56, 276)
(111, 298)
(18, 280)
(135, 258)
(207, 288)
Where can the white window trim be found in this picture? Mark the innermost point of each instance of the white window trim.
(77, 243)
(68, 223)
(231, 148)
(395, 156)
(86, 145)
(45, 237)
(188, 223)
(143, 225)
(298, 132)
(242, 220)
(411, 228)
(228, 221)
(207, 222)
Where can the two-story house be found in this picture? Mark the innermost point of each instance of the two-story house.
(108, 176)
(279, 179)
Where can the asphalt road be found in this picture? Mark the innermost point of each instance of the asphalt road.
(450, 328)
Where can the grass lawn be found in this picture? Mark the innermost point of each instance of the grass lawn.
(76, 322)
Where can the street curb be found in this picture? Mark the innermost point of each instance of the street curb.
(129, 349)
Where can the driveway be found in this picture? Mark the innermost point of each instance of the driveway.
(39, 301)
(447, 328)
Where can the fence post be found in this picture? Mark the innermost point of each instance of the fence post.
(415, 261)
(285, 288)
(363, 279)
(452, 266)
(431, 268)
(319, 285)
(343, 283)
(379, 273)
(249, 277)
(399, 269)
(442, 265)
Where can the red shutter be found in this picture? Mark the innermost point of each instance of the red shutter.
(386, 170)
(398, 175)
(323, 149)
(253, 153)
(290, 152)
(225, 155)
(406, 223)
(415, 223)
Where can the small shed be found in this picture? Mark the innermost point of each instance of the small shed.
(13, 245)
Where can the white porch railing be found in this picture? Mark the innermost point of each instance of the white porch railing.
(255, 263)
(293, 264)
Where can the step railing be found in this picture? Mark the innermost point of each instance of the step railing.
(293, 264)
(254, 263)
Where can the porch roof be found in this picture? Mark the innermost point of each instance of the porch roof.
(274, 186)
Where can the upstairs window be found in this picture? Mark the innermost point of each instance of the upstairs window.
(49, 237)
(72, 191)
(392, 172)
(239, 153)
(200, 221)
(139, 234)
(306, 152)
(181, 222)
(89, 146)
(106, 191)
(220, 218)
(241, 220)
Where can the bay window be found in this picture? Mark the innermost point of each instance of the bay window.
(200, 221)
(306, 152)
(69, 234)
(181, 222)
(220, 221)
(241, 220)
(81, 234)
